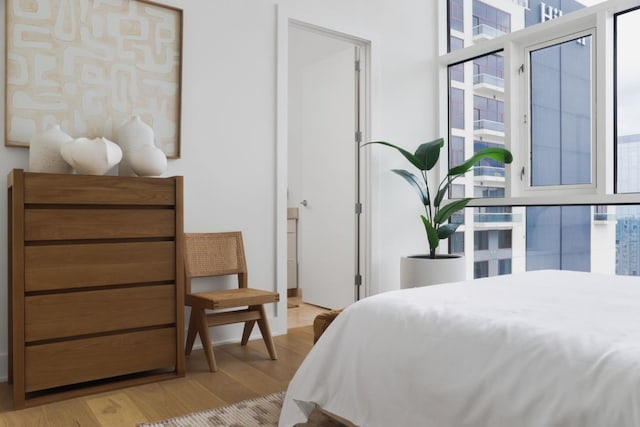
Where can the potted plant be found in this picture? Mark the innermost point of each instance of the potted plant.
(436, 213)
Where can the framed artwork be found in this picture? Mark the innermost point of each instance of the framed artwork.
(90, 66)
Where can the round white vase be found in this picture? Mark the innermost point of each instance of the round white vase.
(44, 151)
(91, 156)
(147, 160)
(133, 134)
(420, 270)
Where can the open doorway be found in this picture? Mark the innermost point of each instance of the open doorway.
(326, 94)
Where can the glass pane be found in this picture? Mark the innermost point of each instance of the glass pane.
(627, 103)
(456, 243)
(561, 113)
(487, 127)
(493, 18)
(603, 239)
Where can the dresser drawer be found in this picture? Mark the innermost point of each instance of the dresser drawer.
(76, 224)
(76, 361)
(50, 267)
(78, 313)
(44, 188)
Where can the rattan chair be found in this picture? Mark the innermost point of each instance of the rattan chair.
(220, 254)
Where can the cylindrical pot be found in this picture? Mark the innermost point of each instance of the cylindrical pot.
(133, 134)
(420, 270)
(44, 151)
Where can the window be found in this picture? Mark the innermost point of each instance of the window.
(559, 237)
(480, 269)
(456, 15)
(504, 266)
(488, 114)
(488, 17)
(456, 243)
(545, 94)
(481, 240)
(455, 43)
(504, 239)
(456, 151)
(561, 113)
(627, 96)
(456, 108)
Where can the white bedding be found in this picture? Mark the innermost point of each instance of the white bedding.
(545, 348)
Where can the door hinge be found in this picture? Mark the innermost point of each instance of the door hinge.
(358, 136)
(525, 119)
(358, 280)
(358, 208)
(357, 65)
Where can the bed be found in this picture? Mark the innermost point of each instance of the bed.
(543, 348)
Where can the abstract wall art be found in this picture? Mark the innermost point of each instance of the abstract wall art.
(90, 65)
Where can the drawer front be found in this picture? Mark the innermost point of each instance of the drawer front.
(75, 224)
(78, 313)
(86, 265)
(46, 188)
(76, 361)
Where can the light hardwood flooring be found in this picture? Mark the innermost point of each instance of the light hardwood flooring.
(244, 373)
(302, 314)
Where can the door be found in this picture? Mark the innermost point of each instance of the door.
(323, 164)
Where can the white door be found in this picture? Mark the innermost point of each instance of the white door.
(323, 172)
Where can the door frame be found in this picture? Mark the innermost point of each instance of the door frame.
(284, 21)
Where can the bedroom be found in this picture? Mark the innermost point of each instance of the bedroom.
(229, 100)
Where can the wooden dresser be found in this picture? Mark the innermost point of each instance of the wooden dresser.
(95, 283)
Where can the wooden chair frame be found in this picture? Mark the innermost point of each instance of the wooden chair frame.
(222, 254)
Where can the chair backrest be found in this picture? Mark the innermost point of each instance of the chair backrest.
(214, 254)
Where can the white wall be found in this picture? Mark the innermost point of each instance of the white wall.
(229, 125)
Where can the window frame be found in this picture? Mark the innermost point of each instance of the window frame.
(526, 186)
(598, 19)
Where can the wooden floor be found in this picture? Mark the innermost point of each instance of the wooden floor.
(244, 373)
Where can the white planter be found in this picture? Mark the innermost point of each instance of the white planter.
(420, 270)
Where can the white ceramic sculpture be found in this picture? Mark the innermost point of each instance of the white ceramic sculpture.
(147, 160)
(44, 151)
(91, 156)
(132, 136)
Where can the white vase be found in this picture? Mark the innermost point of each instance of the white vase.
(44, 151)
(131, 135)
(91, 156)
(147, 160)
(420, 270)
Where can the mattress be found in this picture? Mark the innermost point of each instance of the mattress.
(543, 348)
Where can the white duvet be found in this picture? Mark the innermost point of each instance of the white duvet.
(545, 348)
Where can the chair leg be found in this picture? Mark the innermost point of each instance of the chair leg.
(203, 331)
(191, 332)
(263, 324)
(246, 333)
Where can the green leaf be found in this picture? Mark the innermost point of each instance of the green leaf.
(415, 161)
(446, 230)
(449, 209)
(429, 153)
(496, 153)
(416, 183)
(440, 196)
(432, 234)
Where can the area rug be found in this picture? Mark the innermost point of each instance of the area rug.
(260, 412)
